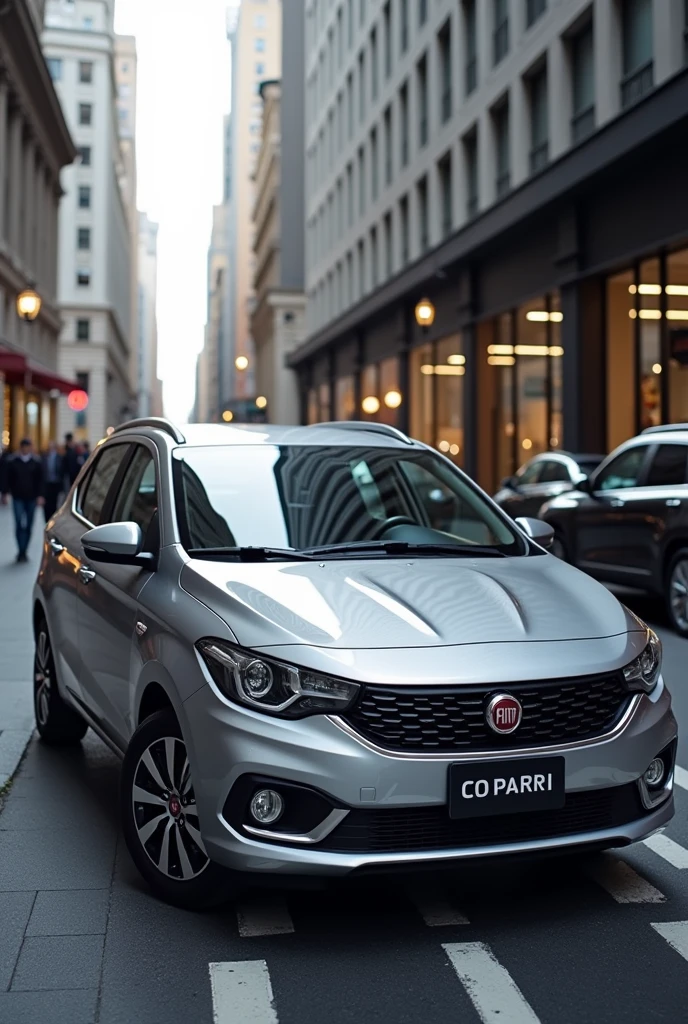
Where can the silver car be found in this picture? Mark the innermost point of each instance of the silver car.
(323, 651)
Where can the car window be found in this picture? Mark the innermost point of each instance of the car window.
(137, 498)
(368, 489)
(445, 510)
(530, 473)
(554, 472)
(623, 471)
(588, 466)
(668, 466)
(91, 497)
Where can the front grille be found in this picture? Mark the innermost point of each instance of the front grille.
(446, 719)
(414, 829)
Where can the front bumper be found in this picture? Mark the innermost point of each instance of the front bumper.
(226, 742)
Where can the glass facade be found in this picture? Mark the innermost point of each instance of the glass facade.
(436, 372)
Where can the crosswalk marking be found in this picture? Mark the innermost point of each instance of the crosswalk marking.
(263, 916)
(681, 777)
(623, 883)
(242, 992)
(676, 934)
(493, 992)
(669, 850)
(436, 911)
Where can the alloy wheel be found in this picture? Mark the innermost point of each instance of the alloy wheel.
(678, 594)
(165, 813)
(42, 678)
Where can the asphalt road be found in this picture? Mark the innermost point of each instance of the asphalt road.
(602, 940)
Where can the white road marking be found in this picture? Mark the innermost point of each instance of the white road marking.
(435, 911)
(681, 777)
(242, 992)
(669, 850)
(493, 992)
(623, 883)
(676, 934)
(263, 917)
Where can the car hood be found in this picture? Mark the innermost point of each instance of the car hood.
(394, 603)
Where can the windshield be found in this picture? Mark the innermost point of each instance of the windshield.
(311, 496)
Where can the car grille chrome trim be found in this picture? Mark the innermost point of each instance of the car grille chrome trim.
(316, 835)
(492, 753)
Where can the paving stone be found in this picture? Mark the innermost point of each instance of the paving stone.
(56, 859)
(59, 962)
(15, 910)
(80, 912)
(76, 1007)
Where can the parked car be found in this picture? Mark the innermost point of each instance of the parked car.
(628, 523)
(305, 675)
(541, 478)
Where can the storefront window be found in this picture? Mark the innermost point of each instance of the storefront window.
(421, 379)
(677, 331)
(532, 387)
(370, 399)
(313, 412)
(556, 369)
(649, 316)
(345, 400)
(390, 394)
(449, 373)
(325, 411)
(501, 355)
(621, 363)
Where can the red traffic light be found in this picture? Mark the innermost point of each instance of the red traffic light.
(77, 400)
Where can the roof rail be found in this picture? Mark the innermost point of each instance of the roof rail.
(372, 428)
(666, 429)
(157, 422)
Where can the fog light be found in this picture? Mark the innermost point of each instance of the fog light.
(654, 773)
(266, 806)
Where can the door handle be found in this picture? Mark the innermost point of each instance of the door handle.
(86, 574)
(617, 502)
(672, 502)
(55, 547)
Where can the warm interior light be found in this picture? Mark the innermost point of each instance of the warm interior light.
(501, 360)
(241, 362)
(444, 446)
(449, 371)
(677, 289)
(454, 449)
(392, 399)
(656, 367)
(28, 304)
(531, 350)
(261, 402)
(677, 314)
(425, 313)
(428, 369)
(632, 313)
(650, 314)
(456, 360)
(526, 443)
(500, 350)
(554, 442)
(228, 415)
(555, 350)
(537, 316)
(556, 317)
(370, 404)
(656, 289)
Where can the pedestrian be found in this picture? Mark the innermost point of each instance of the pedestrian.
(23, 480)
(84, 454)
(53, 477)
(70, 461)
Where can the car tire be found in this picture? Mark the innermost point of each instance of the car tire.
(676, 591)
(56, 722)
(159, 819)
(558, 547)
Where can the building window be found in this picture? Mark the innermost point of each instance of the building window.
(259, 45)
(436, 372)
(83, 238)
(500, 31)
(361, 181)
(350, 22)
(534, 10)
(387, 134)
(85, 113)
(470, 154)
(374, 70)
(403, 25)
(374, 268)
(423, 219)
(349, 279)
(83, 278)
(500, 119)
(84, 197)
(350, 104)
(539, 127)
(404, 230)
(389, 261)
(444, 172)
(362, 12)
(471, 44)
(583, 84)
(83, 330)
(637, 46)
(422, 81)
(344, 398)
(362, 93)
(373, 165)
(404, 124)
(259, 21)
(86, 72)
(84, 155)
(444, 47)
(87, 23)
(387, 35)
(55, 68)
(260, 68)
(361, 269)
(350, 194)
(422, 12)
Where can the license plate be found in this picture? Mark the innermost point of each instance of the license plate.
(481, 788)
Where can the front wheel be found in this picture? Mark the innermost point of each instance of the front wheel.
(676, 591)
(160, 819)
(56, 722)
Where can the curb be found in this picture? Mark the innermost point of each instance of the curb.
(13, 743)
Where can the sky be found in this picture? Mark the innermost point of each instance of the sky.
(183, 93)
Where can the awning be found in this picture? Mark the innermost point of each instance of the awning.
(18, 369)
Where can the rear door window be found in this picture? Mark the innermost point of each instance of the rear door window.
(530, 473)
(668, 466)
(137, 498)
(623, 471)
(91, 499)
(554, 472)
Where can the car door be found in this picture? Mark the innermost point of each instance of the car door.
(610, 533)
(108, 598)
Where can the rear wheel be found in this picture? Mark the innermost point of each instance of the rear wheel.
(56, 722)
(160, 819)
(676, 591)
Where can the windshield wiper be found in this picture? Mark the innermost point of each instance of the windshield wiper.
(402, 547)
(249, 554)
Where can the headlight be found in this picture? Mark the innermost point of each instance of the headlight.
(642, 674)
(273, 687)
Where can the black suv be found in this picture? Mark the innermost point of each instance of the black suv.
(628, 522)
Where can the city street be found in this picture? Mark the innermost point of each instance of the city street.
(598, 940)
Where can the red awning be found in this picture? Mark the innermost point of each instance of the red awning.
(17, 369)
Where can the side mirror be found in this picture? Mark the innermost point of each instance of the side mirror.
(117, 544)
(584, 485)
(509, 482)
(538, 530)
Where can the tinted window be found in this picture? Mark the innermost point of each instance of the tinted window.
(588, 466)
(301, 497)
(623, 471)
(137, 499)
(668, 466)
(92, 496)
(554, 472)
(530, 473)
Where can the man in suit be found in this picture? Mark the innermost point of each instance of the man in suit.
(70, 463)
(53, 477)
(22, 477)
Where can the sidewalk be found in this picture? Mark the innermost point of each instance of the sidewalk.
(16, 643)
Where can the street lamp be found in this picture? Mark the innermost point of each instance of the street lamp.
(241, 362)
(425, 313)
(29, 304)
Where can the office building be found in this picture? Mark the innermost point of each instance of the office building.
(148, 388)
